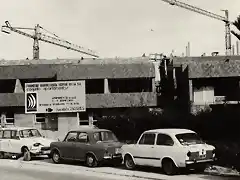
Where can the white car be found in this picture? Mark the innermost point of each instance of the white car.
(26, 142)
(170, 149)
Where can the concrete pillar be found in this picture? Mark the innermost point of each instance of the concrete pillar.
(3, 119)
(106, 86)
(90, 118)
(18, 87)
(190, 90)
(174, 78)
(153, 85)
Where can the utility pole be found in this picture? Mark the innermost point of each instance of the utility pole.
(237, 47)
(233, 50)
(188, 48)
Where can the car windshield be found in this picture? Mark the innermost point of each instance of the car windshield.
(189, 138)
(27, 133)
(105, 136)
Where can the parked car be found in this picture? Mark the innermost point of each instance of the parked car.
(23, 141)
(90, 145)
(170, 149)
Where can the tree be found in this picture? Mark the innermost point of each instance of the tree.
(237, 25)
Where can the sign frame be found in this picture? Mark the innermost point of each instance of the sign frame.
(55, 97)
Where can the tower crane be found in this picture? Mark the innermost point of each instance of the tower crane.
(211, 15)
(39, 36)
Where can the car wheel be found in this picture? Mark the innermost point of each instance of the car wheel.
(56, 157)
(1, 155)
(91, 161)
(26, 155)
(129, 163)
(169, 167)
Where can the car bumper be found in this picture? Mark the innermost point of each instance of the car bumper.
(192, 163)
(40, 151)
(114, 158)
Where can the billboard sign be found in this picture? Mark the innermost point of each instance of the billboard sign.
(55, 97)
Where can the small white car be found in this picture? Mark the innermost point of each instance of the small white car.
(26, 142)
(169, 149)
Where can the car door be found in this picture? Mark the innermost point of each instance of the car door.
(144, 154)
(1, 138)
(15, 142)
(5, 141)
(68, 145)
(82, 146)
(164, 148)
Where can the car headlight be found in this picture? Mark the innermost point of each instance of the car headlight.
(36, 144)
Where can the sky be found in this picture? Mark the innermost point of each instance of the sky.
(115, 28)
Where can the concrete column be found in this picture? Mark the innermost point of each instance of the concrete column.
(90, 118)
(190, 90)
(3, 119)
(106, 86)
(174, 78)
(153, 85)
(18, 87)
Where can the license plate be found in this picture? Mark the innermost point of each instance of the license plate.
(46, 152)
(202, 156)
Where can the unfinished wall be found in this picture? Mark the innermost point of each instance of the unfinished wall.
(24, 120)
(66, 122)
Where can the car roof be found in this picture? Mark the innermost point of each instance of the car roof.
(170, 131)
(89, 129)
(16, 128)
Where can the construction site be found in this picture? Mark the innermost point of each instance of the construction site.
(122, 94)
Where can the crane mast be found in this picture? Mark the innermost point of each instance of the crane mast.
(211, 15)
(39, 36)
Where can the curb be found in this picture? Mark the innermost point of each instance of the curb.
(95, 171)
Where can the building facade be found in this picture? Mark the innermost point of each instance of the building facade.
(110, 84)
(212, 81)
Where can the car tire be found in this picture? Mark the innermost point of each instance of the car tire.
(2, 155)
(26, 155)
(91, 161)
(169, 167)
(128, 162)
(56, 158)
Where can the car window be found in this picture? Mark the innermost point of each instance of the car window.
(164, 140)
(104, 136)
(83, 137)
(147, 139)
(28, 133)
(7, 134)
(71, 137)
(14, 135)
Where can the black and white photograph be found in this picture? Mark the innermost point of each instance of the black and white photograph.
(120, 89)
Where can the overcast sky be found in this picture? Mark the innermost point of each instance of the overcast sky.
(116, 27)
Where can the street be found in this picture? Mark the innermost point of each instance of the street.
(44, 169)
(7, 173)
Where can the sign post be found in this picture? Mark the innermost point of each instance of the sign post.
(55, 97)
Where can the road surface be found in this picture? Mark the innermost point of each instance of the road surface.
(42, 170)
(8, 173)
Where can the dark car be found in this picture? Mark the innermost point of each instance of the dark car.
(90, 145)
